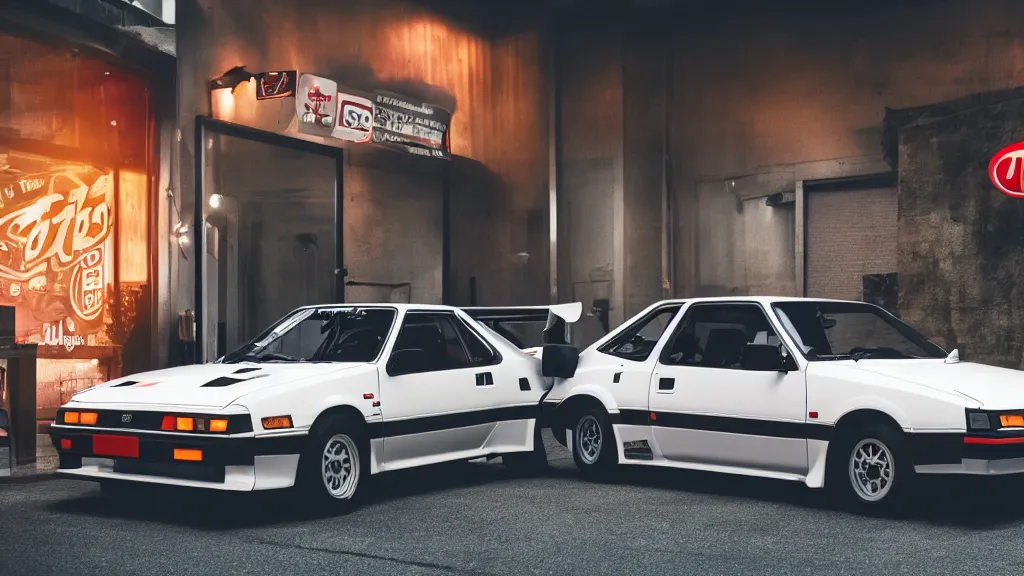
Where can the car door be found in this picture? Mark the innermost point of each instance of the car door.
(437, 400)
(706, 409)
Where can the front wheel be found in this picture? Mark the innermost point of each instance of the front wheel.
(331, 469)
(872, 471)
(593, 443)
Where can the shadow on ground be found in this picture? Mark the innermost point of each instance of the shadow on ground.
(976, 503)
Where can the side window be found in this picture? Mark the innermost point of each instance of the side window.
(480, 353)
(714, 335)
(428, 342)
(636, 342)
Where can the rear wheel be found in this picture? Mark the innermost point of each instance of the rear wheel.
(332, 468)
(593, 443)
(871, 470)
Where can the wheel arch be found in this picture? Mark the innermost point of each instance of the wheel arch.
(346, 410)
(848, 424)
(580, 398)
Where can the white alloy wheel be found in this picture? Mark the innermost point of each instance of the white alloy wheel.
(872, 469)
(588, 439)
(340, 466)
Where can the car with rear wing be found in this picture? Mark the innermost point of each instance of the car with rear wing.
(834, 394)
(321, 401)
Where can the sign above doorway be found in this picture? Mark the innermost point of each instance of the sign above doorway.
(414, 127)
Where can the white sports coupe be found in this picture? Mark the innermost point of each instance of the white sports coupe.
(823, 392)
(325, 398)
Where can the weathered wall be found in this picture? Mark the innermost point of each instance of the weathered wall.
(961, 243)
(787, 93)
(393, 212)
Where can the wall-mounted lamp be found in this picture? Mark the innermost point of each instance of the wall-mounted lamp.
(180, 234)
(216, 201)
(231, 79)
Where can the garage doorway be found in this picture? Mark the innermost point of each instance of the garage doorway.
(273, 231)
(851, 240)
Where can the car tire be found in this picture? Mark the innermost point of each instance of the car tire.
(872, 471)
(593, 443)
(530, 463)
(333, 468)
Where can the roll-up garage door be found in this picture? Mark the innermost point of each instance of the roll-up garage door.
(851, 244)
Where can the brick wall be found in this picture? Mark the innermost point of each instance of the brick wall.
(849, 234)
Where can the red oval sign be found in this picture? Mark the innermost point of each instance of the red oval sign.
(1006, 170)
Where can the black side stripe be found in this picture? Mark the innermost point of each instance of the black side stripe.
(728, 425)
(453, 421)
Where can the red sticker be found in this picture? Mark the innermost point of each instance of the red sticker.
(145, 385)
(1006, 170)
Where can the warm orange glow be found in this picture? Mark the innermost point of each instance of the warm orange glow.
(188, 454)
(277, 422)
(71, 417)
(185, 424)
(133, 221)
(1012, 420)
(223, 102)
(89, 418)
(218, 425)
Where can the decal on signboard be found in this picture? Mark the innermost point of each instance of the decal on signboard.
(316, 105)
(414, 127)
(1006, 170)
(274, 85)
(355, 118)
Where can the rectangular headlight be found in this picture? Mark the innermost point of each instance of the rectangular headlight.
(978, 421)
(1006, 420)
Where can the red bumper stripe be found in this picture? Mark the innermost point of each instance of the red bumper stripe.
(990, 441)
(120, 446)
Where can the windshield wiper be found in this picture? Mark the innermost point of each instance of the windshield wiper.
(887, 353)
(267, 357)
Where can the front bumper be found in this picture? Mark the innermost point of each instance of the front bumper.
(228, 463)
(984, 455)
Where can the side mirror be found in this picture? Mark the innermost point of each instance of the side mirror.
(559, 361)
(408, 361)
(764, 358)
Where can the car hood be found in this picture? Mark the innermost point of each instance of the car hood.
(203, 385)
(991, 386)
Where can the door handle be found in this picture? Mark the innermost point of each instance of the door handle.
(665, 384)
(484, 379)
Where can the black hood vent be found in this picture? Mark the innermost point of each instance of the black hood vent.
(228, 381)
(222, 381)
(244, 370)
(125, 383)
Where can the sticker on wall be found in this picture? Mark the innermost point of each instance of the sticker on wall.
(315, 105)
(1006, 170)
(274, 85)
(414, 127)
(355, 118)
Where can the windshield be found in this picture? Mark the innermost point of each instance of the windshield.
(839, 330)
(321, 335)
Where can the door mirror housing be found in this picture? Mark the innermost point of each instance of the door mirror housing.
(559, 360)
(764, 358)
(408, 361)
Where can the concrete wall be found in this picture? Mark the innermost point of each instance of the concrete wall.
(961, 245)
(788, 93)
(495, 89)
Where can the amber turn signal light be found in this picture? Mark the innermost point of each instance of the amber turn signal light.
(218, 426)
(71, 417)
(89, 418)
(188, 454)
(1007, 420)
(275, 422)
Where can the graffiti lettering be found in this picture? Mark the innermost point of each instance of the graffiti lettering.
(54, 336)
(58, 225)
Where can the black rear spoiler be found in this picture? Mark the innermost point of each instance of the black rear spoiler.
(556, 317)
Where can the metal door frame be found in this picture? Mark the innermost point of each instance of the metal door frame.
(206, 126)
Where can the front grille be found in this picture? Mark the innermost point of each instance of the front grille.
(151, 421)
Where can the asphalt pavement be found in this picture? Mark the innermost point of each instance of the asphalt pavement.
(477, 519)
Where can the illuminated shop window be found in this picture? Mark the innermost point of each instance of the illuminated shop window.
(75, 136)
